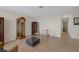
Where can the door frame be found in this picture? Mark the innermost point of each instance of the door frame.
(3, 28)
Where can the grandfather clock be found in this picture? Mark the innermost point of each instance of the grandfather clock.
(2, 29)
(20, 28)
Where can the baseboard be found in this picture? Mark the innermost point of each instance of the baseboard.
(8, 41)
(75, 38)
(55, 37)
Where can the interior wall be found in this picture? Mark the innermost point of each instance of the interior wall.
(10, 24)
(54, 24)
(73, 29)
(51, 23)
(28, 25)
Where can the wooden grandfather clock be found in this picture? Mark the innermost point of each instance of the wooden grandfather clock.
(20, 28)
(2, 29)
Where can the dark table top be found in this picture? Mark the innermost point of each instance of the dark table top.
(33, 39)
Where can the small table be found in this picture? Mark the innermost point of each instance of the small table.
(33, 41)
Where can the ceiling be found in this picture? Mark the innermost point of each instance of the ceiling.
(37, 12)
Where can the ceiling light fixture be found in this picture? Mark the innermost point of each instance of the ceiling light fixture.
(40, 6)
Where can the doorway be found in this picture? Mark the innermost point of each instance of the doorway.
(34, 28)
(65, 26)
(64, 32)
(2, 29)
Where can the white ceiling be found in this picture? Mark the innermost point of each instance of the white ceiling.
(34, 11)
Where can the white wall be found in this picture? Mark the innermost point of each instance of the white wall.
(73, 29)
(51, 23)
(28, 25)
(10, 24)
(55, 26)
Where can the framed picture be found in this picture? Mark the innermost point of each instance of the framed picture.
(76, 20)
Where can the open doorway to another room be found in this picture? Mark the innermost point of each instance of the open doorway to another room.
(65, 26)
(64, 32)
(35, 28)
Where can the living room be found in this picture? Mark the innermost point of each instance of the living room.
(49, 28)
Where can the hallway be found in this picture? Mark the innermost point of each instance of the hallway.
(65, 36)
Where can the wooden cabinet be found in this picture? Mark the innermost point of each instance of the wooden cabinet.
(21, 27)
(1, 29)
(34, 28)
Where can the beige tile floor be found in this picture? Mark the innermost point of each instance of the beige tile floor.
(9, 45)
(64, 44)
